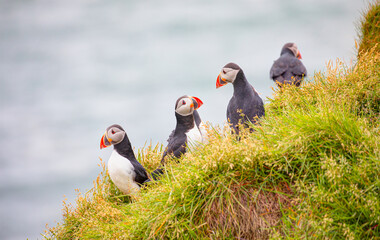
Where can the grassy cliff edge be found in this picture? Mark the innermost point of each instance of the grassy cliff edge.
(311, 170)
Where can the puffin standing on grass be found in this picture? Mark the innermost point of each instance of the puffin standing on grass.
(124, 169)
(188, 133)
(245, 104)
(288, 69)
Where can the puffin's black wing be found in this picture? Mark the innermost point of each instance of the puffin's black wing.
(256, 108)
(176, 151)
(278, 68)
(296, 72)
(176, 146)
(197, 118)
(248, 108)
(157, 173)
(232, 117)
(297, 68)
(141, 174)
(171, 135)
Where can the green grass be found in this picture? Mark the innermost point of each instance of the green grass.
(311, 170)
(370, 28)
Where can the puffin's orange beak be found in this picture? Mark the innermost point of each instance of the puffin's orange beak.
(220, 82)
(104, 142)
(199, 102)
(299, 55)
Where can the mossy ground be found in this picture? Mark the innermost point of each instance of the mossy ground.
(310, 170)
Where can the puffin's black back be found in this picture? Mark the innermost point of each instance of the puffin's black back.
(124, 148)
(288, 69)
(245, 100)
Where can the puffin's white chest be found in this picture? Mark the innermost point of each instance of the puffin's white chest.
(195, 137)
(122, 173)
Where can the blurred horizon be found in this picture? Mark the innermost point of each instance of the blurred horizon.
(70, 69)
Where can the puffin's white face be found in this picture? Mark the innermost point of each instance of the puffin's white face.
(228, 74)
(185, 106)
(113, 135)
(295, 51)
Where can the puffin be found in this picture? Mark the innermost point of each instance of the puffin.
(288, 69)
(124, 169)
(188, 133)
(245, 104)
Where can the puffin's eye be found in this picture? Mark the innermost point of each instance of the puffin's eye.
(183, 102)
(113, 132)
(224, 72)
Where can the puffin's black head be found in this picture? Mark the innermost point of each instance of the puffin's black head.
(114, 134)
(186, 105)
(293, 49)
(228, 74)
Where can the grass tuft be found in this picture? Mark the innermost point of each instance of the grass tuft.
(369, 35)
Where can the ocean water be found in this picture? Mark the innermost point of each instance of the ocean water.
(69, 69)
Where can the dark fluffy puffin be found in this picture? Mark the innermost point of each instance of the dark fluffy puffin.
(288, 69)
(188, 133)
(245, 100)
(124, 169)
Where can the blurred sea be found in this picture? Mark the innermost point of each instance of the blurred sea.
(69, 69)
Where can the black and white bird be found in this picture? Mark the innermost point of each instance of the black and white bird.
(288, 69)
(124, 169)
(245, 104)
(188, 133)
